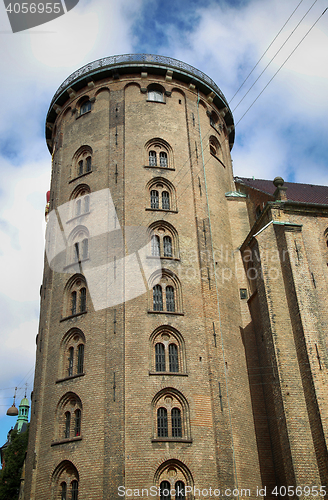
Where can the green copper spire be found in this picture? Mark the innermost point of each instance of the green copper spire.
(22, 414)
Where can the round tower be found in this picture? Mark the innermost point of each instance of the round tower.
(141, 381)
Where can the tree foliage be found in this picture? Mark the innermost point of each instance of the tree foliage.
(13, 463)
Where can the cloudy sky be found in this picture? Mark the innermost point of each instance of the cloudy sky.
(283, 133)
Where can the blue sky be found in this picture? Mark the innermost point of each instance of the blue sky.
(284, 133)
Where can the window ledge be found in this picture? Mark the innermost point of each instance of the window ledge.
(73, 316)
(159, 102)
(171, 313)
(67, 440)
(177, 374)
(161, 210)
(78, 216)
(82, 114)
(161, 257)
(171, 440)
(160, 168)
(70, 377)
(79, 176)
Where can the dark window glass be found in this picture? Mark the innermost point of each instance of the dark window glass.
(167, 246)
(162, 159)
(70, 361)
(63, 491)
(77, 430)
(162, 429)
(80, 358)
(173, 358)
(176, 422)
(165, 491)
(85, 107)
(160, 357)
(157, 298)
(180, 493)
(165, 200)
(89, 164)
(154, 199)
(75, 490)
(83, 299)
(155, 248)
(85, 247)
(152, 159)
(212, 150)
(67, 424)
(80, 167)
(73, 302)
(76, 252)
(86, 204)
(170, 306)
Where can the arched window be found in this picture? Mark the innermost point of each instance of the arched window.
(157, 298)
(69, 416)
(167, 351)
(165, 200)
(65, 481)
(154, 199)
(160, 357)
(170, 303)
(72, 354)
(82, 161)
(163, 159)
(180, 492)
(161, 194)
(85, 107)
(166, 238)
(155, 246)
(160, 154)
(173, 358)
(166, 295)
(162, 429)
(75, 296)
(171, 415)
(152, 159)
(165, 491)
(214, 146)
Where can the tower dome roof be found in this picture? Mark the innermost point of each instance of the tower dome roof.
(24, 402)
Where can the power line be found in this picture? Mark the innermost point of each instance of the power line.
(276, 55)
(306, 34)
(275, 38)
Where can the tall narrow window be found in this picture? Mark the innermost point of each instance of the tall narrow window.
(76, 252)
(63, 492)
(75, 490)
(152, 159)
(67, 424)
(77, 430)
(176, 422)
(165, 200)
(165, 491)
(162, 428)
(85, 245)
(83, 299)
(80, 358)
(89, 164)
(154, 199)
(173, 358)
(80, 167)
(78, 208)
(163, 159)
(157, 298)
(86, 204)
(180, 493)
(167, 240)
(70, 361)
(73, 298)
(160, 357)
(170, 305)
(155, 248)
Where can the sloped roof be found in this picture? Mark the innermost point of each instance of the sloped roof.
(305, 193)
